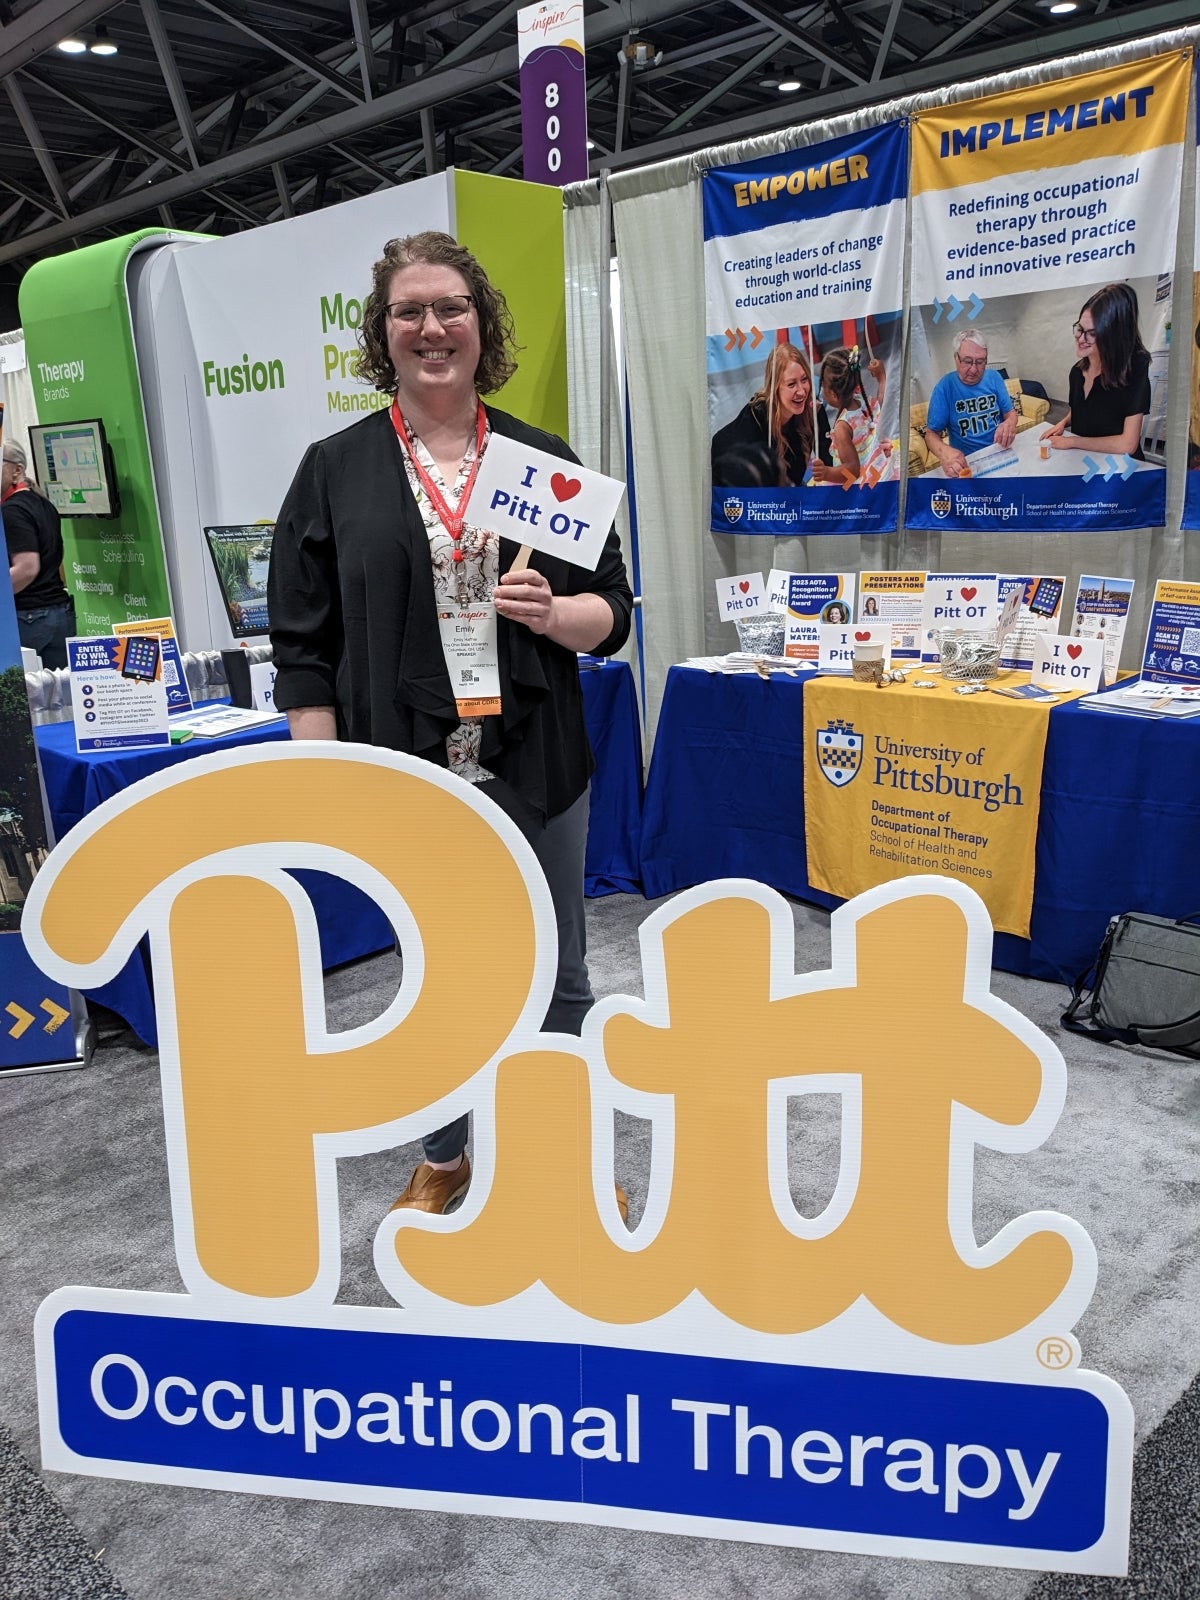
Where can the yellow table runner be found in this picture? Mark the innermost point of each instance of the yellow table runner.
(899, 780)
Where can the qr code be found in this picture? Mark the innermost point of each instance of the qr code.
(1190, 643)
(468, 675)
(170, 674)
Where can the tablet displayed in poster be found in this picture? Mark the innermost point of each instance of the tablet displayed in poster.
(1172, 653)
(803, 262)
(118, 697)
(1044, 231)
(1101, 612)
(1037, 613)
(179, 696)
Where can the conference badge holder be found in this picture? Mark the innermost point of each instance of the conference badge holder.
(472, 656)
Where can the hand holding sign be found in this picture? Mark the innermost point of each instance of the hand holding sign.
(526, 495)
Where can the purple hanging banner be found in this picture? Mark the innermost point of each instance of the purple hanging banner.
(553, 92)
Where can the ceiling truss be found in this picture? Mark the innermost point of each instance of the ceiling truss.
(225, 114)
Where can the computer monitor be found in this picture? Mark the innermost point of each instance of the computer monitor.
(241, 555)
(73, 464)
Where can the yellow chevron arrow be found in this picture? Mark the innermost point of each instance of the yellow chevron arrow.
(56, 1014)
(22, 1017)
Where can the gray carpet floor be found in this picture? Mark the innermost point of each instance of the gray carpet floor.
(86, 1202)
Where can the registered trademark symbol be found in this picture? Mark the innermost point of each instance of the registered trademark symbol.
(1056, 1353)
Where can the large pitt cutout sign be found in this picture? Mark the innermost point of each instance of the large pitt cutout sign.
(871, 1379)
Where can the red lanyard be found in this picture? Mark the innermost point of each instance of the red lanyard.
(452, 521)
(16, 489)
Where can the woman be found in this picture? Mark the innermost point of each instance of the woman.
(778, 419)
(870, 607)
(1109, 385)
(33, 534)
(853, 431)
(375, 541)
(837, 612)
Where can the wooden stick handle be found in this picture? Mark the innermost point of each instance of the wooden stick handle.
(522, 559)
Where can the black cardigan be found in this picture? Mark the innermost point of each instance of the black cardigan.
(354, 625)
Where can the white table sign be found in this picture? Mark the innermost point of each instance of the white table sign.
(777, 588)
(957, 600)
(1061, 663)
(743, 596)
(837, 643)
(262, 685)
(552, 505)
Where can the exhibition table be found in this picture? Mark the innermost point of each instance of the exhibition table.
(350, 925)
(1024, 458)
(1116, 830)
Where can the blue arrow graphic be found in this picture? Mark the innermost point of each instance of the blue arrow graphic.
(976, 305)
(1090, 469)
(1130, 467)
(937, 311)
(957, 306)
(1113, 465)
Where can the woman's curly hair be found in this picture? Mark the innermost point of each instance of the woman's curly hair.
(497, 335)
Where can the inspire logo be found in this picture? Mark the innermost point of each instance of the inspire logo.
(867, 1379)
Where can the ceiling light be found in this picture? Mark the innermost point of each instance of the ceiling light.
(1058, 8)
(102, 45)
(639, 53)
(72, 47)
(789, 86)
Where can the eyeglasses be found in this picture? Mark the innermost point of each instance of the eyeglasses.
(451, 308)
(971, 361)
(1084, 335)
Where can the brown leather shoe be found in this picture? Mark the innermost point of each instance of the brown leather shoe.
(432, 1190)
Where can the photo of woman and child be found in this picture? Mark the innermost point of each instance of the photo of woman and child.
(785, 437)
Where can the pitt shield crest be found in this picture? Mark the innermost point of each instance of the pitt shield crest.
(839, 752)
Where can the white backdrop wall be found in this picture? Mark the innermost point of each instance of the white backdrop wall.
(657, 223)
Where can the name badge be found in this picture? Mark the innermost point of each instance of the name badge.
(472, 658)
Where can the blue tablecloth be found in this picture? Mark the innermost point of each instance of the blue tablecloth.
(350, 924)
(1117, 831)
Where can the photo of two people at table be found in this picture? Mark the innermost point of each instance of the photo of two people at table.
(808, 406)
(1085, 368)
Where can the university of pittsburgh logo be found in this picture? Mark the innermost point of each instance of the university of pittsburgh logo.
(839, 751)
(733, 508)
(940, 503)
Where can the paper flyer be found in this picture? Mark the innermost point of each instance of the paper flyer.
(898, 598)
(179, 696)
(815, 598)
(1172, 651)
(1039, 613)
(118, 698)
(1101, 612)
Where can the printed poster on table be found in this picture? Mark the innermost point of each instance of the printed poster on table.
(1044, 229)
(815, 599)
(1037, 614)
(803, 267)
(118, 698)
(1101, 612)
(1191, 484)
(898, 598)
(1172, 653)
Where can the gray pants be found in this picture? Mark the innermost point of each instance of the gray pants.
(559, 847)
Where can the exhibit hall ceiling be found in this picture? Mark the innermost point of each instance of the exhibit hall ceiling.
(219, 115)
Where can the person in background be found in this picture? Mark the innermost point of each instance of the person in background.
(870, 607)
(853, 432)
(836, 611)
(376, 539)
(779, 417)
(33, 534)
(970, 408)
(1109, 385)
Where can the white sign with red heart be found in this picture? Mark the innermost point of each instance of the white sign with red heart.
(743, 596)
(542, 501)
(1061, 663)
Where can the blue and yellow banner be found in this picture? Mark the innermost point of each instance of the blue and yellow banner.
(920, 780)
(1044, 227)
(803, 264)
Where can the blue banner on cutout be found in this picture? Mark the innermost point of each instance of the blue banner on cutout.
(1015, 1465)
